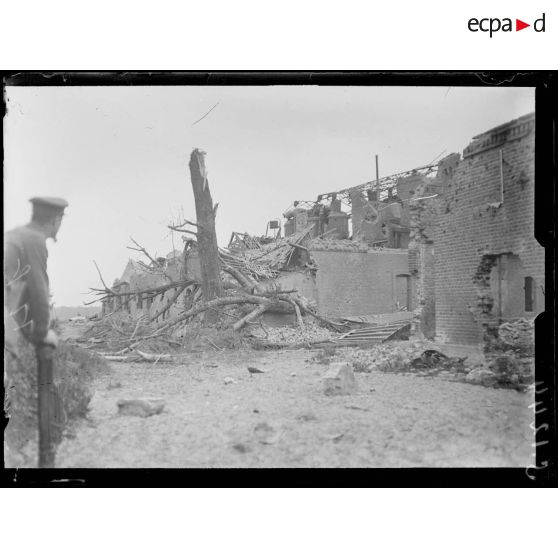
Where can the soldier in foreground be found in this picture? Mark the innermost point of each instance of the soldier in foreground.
(27, 309)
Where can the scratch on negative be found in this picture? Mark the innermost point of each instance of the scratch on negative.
(200, 119)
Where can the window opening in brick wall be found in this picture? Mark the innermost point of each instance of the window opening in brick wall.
(529, 287)
(403, 296)
(506, 285)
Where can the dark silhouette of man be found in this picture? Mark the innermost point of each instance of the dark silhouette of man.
(26, 285)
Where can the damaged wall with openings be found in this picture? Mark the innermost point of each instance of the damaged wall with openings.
(424, 206)
(143, 289)
(489, 267)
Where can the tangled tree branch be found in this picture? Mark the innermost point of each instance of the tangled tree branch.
(245, 282)
(215, 303)
(140, 248)
(184, 223)
(169, 303)
(108, 289)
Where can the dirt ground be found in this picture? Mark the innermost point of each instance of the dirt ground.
(282, 418)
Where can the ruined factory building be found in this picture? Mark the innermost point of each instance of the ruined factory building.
(449, 247)
(478, 261)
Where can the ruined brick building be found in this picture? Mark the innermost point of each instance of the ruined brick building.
(359, 243)
(452, 242)
(478, 236)
(140, 288)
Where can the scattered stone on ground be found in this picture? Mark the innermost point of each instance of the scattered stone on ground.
(411, 422)
(340, 379)
(356, 408)
(254, 370)
(305, 417)
(229, 380)
(415, 418)
(140, 407)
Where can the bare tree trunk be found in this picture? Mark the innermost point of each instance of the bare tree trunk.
(258, 311)
(207, 239)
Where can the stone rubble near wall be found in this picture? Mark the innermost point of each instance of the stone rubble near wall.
(482, 376)
(519, 335)
(399, 357)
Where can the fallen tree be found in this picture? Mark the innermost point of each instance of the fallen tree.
(250, 290)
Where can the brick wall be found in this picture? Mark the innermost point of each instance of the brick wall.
(428, 292)
(302, 281)
(407, 186)
(472, 223)
(424, 211)
(358, 283)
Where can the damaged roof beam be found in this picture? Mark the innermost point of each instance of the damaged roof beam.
(384, 183)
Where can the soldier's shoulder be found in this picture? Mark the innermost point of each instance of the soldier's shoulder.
(23, 235)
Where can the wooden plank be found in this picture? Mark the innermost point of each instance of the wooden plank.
(366, 331)
(356, 335)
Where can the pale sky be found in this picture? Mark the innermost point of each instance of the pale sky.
(119, 155)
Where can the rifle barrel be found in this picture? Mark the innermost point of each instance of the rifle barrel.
(46, 406)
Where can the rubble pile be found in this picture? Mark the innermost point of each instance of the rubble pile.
(278, 254)
(339, 245)
(265, 262)
(256, 269)
(116, 333)
(125, 339)
(482, 376)
(509, 357)
(422, 358)
(388, 357)
(518, 336)
(312, 333)
(510, 370)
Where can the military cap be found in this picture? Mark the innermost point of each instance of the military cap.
(50, 205)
